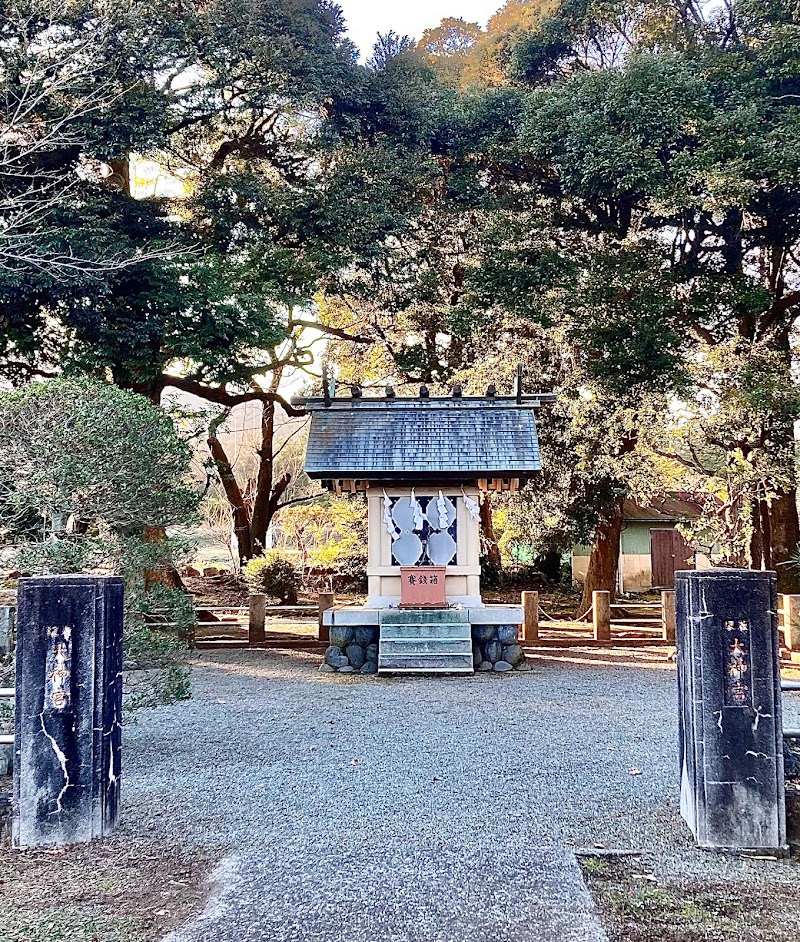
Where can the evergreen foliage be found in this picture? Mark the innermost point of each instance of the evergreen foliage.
(607, 191)
(86, 469)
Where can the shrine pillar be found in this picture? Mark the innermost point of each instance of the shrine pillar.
(68, 709)
(729, 686)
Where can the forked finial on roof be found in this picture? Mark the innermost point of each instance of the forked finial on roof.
(326, 389)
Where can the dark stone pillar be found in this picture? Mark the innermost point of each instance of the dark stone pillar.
(731, 734)
(68, 709)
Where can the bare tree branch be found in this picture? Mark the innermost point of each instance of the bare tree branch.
(222, 396)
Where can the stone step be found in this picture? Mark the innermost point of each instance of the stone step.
(407, 646)
(421, 616)
(423, 632)
(420, 642)
(425, 663)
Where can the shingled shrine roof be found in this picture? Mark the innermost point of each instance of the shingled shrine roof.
(451, 438)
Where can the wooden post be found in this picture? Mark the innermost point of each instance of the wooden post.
(258, 618)
(790, 604)
(8, 616)
(326, 600)
(601, 615)
(668, 615)
(530, 614)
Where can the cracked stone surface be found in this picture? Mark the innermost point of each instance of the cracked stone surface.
(67, 711)
(415, 809)
(732, 769)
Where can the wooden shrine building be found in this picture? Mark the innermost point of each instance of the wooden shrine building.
(423, 464)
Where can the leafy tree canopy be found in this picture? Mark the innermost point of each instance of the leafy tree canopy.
(94, 453)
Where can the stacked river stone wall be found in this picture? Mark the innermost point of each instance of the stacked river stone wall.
(497, 648)
(352, 650)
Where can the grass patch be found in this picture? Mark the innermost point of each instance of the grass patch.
(119, 890)
(595, 866)
(636, 907)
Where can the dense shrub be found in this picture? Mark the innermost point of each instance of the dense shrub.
(522, 578)
(99, 469)
(159, 627)
(350, 573)
(274, 575)
(83, 450)
(490, 573)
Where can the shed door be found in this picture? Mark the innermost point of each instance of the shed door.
(668, 554)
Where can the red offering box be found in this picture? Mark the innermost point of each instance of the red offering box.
(422, 587)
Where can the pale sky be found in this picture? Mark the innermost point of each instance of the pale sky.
(366, 18)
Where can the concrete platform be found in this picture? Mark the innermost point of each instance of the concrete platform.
(485, 615)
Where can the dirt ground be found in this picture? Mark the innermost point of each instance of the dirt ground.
(121, 890)
(636, 906)
(224, 589)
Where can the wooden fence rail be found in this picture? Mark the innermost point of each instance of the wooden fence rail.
(254, 617)
(608, 620)
(604, 620)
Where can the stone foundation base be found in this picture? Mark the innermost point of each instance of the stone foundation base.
(496, 648)
(355, 635)
(353, 649)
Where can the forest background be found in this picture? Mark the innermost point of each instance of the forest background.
(212, 201)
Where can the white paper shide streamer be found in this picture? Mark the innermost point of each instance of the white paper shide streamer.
(473, 509)
(441, 506)
(416, 507)
(387, 517)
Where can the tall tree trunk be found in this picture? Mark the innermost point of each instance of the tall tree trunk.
(782, 518)
(167, 576)
(233, 493)
(487, 525)
(785, 529)
(268, 507)
(268, 490)
(601, 575)
(251, 526)
(757, 540)
(266, 469)
(766, 533)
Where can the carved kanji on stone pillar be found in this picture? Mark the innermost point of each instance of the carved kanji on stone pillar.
(732, 789)
(68, 709)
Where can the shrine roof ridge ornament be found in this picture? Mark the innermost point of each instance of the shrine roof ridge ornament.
(316, 403)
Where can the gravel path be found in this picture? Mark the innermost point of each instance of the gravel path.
(423, 810)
